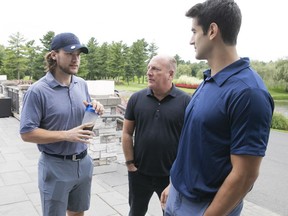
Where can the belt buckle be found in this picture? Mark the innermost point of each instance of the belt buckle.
(74, 158)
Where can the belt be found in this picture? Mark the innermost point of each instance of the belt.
(74, 157)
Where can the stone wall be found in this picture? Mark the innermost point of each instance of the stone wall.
(106, 144)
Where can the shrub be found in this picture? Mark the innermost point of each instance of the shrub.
(279, 121)
(184, 79)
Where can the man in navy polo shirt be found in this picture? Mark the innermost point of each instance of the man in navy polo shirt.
(52, 113)
(227, 122)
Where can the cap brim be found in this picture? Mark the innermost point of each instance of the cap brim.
(73, 47)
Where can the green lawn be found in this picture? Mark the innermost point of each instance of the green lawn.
(133, 87)
(278, 94)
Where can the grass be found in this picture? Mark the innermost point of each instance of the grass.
(278, 94)
(134, 87)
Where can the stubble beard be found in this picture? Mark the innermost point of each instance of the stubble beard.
(66, 70)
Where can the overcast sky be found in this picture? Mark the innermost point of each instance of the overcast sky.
(263, 35)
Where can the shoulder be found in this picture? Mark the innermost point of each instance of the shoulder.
(139, 97)
(140, 93)
(178, 93)
(39, 85)
(79, 80)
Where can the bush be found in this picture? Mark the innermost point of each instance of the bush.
(184, 79)
(279, 121)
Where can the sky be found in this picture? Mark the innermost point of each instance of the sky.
(263, 35)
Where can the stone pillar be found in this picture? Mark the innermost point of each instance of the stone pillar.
(5, 91)
(106, 145)
(22, 90)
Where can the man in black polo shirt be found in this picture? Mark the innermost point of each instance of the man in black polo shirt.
(156, 114)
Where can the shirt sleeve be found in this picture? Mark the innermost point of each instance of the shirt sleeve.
(31, 112)
(250, 116)
(129, 112)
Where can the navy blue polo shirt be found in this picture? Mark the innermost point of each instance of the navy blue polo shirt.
(49, 105)
(230, 113)
(158, 126)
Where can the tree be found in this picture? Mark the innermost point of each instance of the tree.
(197, 69)
(139, 58)
(183, 69)
(282, 72)
(152, 50)
(15, 63)
(266, 71)
(2, 57)
(46, 40)
(128, 67)
(103, 59)
(35, 67)
(179, 60)
(90, 68)
(116, 60)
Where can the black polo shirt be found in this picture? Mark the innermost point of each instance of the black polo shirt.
(158, 126)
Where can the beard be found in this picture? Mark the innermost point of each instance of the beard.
(67, 70)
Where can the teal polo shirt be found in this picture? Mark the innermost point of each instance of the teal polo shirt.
(230, 113)
(49, 105)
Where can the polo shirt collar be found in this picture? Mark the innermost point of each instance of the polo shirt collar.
(52, 82)
(172, 93)
(228, 71)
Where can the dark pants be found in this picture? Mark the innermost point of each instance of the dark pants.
(141, 189)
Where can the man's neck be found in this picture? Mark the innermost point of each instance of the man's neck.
(63, 78)
(161, 94)
(222, 59)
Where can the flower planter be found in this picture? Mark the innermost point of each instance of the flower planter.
(189, 86)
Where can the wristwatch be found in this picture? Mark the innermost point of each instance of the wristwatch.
(129, 162)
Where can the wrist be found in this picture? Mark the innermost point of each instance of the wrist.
(129, 162)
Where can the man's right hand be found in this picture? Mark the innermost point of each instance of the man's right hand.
(164, 196)
(78, 134)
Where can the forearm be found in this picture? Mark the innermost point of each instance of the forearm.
(228, 196)
(42, 136)
(127, 144)
(245, 170)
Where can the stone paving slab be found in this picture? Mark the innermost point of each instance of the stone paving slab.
(12, 194)
(25, 208)
(19, 194)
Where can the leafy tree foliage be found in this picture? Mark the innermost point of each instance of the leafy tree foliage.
(179, 60)
(91, 71)
(198, 69)
(139, 58)
(34, 60)
(183, 69)
(282, 72)
(15, 61)
(152, 50)
(114, 61)
(266, 71)
(2, 56)
(46, 41)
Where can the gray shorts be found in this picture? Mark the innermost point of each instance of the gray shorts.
(64, 184)
(178, 205)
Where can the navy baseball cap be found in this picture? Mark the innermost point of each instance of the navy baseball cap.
(68, 42)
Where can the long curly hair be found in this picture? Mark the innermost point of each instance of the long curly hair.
(50, 63)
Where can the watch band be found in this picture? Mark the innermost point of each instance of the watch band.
(129, 162)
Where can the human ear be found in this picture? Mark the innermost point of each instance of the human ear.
(213, 31)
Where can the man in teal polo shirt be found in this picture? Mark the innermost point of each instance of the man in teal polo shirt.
(227, 121)
(52, 113)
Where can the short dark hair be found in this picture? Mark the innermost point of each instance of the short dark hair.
(225, 13)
